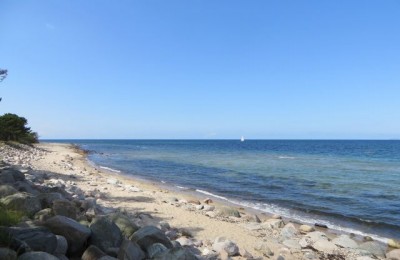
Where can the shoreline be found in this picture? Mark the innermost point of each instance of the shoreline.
(184, 211)
(333, 229)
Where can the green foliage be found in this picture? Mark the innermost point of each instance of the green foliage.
(9, 217)
(13, 128)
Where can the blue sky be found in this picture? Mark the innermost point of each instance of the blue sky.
(203, 69)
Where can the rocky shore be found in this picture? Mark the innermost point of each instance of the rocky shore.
(54, 205)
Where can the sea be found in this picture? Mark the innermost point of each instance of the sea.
(351, 186)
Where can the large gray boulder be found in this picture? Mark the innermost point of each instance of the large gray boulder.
(17, 175)
(373, 247)
(6, 177)
(345, 241)
(7, 254)
(37, 256)
(47, 199)
(38, 238)
(22, 202)
(26, 186)
(105, 234)
(7, 190)
(62, 245)
(75, 233)
(93, 253)
(123, 222)
(288, 231)
(130, 251)
(146, 236)
(64, 208)
(325, 246)
(393, 255)
(177, 253)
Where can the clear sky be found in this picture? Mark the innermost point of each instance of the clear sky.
(203, 68)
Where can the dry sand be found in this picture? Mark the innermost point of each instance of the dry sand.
(72, 164)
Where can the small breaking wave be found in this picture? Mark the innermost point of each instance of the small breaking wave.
(286, 157)
(110, 169)
(301, 218)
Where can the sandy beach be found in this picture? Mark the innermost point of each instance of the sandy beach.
(194, 222)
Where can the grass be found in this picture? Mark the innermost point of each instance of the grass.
(9, 217)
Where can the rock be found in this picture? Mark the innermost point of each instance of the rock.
(184, 241)
(113, 181)
(310, 255)
(146, 236)
(393, 243)
(6, 177)
(62, 246)
(22, 202)
(222, 244)
(273, 224)
(207, 201)
(38, 238)
(325, 246)
(306, 229)
(154, 249)
(47, 199)
(64, 208)
(345, 241)
(320, 225)
(367, 238)
(124, 224)
(316, 235)
(288, 231)
(393, 255)
(26, 186)
(75, 233)
(130, 251)
(176, 253)
(93, 253)
(43, 214)
(264, 249)
(292, 244)
(305, 242)
(228, 212)
(199, 207)
(373, 247)
(255, 218)
(194, 201)
(6, 190)
(276, 216)
(164, 226)
(105, 234)
(244, 253)
(37, 256)
(7, 254)
(171, 234)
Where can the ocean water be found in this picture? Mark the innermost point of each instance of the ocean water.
(352, 186)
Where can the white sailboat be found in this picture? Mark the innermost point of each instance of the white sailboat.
(242, 139)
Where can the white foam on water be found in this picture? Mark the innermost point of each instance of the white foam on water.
(163, 182)
(109, 169)
(211, 194)
(286, 157)
(182, 188)
(286, 213)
